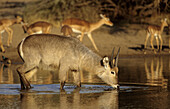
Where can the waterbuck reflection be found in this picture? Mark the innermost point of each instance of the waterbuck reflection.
(75, 100)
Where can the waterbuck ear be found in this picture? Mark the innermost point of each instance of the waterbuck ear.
(105, 62)
(113, 61)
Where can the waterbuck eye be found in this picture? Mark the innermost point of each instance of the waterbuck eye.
(112, 72)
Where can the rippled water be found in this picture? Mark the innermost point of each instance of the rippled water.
(144, 83)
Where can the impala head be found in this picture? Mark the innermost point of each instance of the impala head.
(19, 19)
(106, 20)
(24, 26)
(164, 21)
(66, 30)
(109, 74)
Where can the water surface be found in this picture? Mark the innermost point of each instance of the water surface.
(144, 83)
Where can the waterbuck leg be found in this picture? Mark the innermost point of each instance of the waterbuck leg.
(62, 85)
(77, 78)
(24, 82)
(62, 75)
(23, 72)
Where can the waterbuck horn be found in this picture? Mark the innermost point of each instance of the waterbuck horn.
(117, 57)
(114, 61)
(112, 64)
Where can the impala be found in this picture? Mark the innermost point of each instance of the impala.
(4, 26)
(37, 27)
(66, 53)
(66, 30)
(85, 27)
(154, 30)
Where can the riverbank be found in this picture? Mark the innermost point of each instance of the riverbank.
(129, 38)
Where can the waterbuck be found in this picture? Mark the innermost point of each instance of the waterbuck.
(69, 54)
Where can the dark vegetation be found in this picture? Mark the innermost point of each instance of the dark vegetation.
(136, 11)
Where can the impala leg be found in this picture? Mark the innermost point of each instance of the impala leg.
(2, 47)
(157, 41)
(81, 37)
(91, 39)
(152, 36)
(11, 34)
(77, 78)
(147, 36)
(161, 42)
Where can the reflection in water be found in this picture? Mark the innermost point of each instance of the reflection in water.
(155, 73)
(6, 74)
(138, 71)
(131, 72)
(76, 100)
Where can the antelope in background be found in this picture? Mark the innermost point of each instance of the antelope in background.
(85, 27)
(67, 53)
(66, 30)
(5, 26)
(37, 27)
(154, 30)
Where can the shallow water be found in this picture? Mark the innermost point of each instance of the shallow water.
(144, 83)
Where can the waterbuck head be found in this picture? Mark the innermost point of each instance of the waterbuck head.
(109, 74)
(106, 20)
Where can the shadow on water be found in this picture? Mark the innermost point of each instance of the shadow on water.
(144, 83)
(141, 48)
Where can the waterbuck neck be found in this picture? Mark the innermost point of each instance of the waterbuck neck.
(91, 62)
(96, 25)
